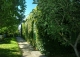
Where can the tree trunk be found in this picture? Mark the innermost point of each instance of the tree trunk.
(76, 51)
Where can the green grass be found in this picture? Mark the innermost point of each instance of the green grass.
(9, 48)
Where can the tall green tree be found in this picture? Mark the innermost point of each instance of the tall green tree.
(11, 12)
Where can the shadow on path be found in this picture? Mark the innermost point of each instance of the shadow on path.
(27, 49)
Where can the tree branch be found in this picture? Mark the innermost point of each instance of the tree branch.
(66, 40)
(78, 38)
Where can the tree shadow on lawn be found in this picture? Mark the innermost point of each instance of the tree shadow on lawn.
(9, 53)
(5, 40)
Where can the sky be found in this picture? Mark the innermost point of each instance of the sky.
(29, 7)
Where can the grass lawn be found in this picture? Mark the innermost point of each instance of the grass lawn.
(9, 48)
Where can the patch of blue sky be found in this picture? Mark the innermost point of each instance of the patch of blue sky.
(29, 7)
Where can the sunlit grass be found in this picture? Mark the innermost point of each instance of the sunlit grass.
(9, 48)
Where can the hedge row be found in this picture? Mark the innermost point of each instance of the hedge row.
(36, 31)
(53, 26)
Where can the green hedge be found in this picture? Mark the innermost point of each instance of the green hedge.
(47, 20)
(34, 31)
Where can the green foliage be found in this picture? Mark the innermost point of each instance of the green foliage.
(11, 12)
(11, 15)
(35, 31)
(54, 21)
(9, 48)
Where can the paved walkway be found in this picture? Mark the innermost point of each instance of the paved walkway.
(27, 49)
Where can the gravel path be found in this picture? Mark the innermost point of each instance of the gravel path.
(27, 49)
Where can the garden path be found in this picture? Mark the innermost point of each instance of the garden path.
(27, 49)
